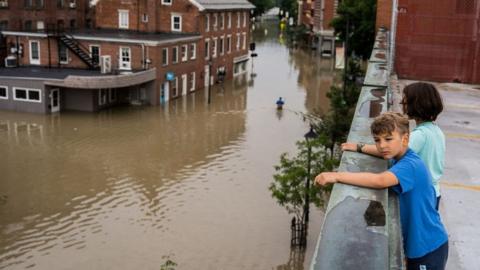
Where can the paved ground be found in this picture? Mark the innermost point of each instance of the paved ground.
(460, 185)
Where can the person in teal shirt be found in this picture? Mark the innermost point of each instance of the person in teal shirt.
(422, 103)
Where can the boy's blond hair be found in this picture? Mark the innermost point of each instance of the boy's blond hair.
(387, 122)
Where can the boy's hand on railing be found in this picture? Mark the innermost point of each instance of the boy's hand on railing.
(326, 178)
(348, 146)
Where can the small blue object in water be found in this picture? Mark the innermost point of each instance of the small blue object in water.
(280, 103)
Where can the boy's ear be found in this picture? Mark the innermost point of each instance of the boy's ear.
(405, 139)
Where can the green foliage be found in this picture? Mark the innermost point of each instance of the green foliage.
(361, 14)
(291, 6)
(168, 265)
(289, 188)
(261, 6)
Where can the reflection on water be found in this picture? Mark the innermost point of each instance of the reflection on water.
(124, 187)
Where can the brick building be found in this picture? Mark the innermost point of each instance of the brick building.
(118, 51)
(434, 40)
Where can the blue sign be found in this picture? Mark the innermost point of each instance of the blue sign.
(170, 76)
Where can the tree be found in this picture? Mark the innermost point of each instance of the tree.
(361, 15)
(261, 6)
(290, 6)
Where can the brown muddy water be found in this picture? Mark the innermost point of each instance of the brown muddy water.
(131, 187)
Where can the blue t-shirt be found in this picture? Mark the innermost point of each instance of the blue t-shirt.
(422, 229)
(428, 141)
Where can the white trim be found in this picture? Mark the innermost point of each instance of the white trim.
(244, 37)
(66, 55)
(28, 90)
(136, 41)
(54, 109)
(167, 4)
(99, 51)
(193, 80)
(207, 20)
(215, 21)
(195, 3)
(229, 46)
(34, 61)
(172, 21)
(229, 20)
(120, 23)
(193, 49)
(214, 47)
(175, 86)
(244, 19)
(124, 65)
(166, 57)
(6, 92)
(222, 47)
(22, 34)
(237, 45)
(209, 51)
(176, 55)
(222, 21)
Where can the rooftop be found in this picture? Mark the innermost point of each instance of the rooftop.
(224, 4)
(46, 73)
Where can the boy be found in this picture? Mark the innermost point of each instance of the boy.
(424, 238)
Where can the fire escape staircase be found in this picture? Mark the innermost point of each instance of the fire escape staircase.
(78, 49)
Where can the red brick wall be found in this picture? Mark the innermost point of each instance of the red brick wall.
(384, 13)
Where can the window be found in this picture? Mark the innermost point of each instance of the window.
(238, 41)
(40, 25)
(167, 2)
(193, 51)
(229, 20)
(164, 56)
(102, 97)
(3, 25)
(214, 47)
(238, 19)
(207, 22)
(3, 92)
(207, 48)
(60, 3)
(176, 23)
(63, 54)
(244, 44)
(174, 55)
(145, 17)
(34, 52)
(175, 87)
(244, 19)
(215, 21)
(25, 94)
(95, 53)
(221, 46)
(184, 53)
(192, 81)
(123, 19)
(125, 58)
(73, 24)
(229, 43)
(222, 21)
(28, 25)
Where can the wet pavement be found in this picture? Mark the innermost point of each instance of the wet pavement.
(131, 187)
(460, 185)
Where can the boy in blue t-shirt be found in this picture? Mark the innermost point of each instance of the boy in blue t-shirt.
(425, 239)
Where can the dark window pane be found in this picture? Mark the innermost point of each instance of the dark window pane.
(33, 95)
(3, 92)
(21, 94)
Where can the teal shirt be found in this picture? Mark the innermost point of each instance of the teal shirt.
(428, 141)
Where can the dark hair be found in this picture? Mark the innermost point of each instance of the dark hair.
(422, 101)
(387, 122)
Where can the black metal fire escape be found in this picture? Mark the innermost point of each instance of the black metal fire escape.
(78, 49)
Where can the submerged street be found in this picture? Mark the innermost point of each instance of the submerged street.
(131, 187)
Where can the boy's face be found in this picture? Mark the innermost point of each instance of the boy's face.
(392, 145)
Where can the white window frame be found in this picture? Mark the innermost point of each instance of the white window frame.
(207, 20)
(166, 57)
(175, 86)
(172, 20)
(208, 50)
(238, 42)
(128, 64)
(28, 90)
(90, 51)
(215, 21)
(40, 25)
(222, 21)
(121, 23)
(175, 53)
(244, 19)
(238, 19)
(184, 52)
(102, 101)
(222, 45)
(145, 17)
(192, 81)
(66, 55)
(193, 51)
(214, 47)
(229, 20)
(229, 43)
(167, 2)
(34, 61)
(244, 44)
(6, 92)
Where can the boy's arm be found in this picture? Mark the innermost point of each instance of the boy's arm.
(371, 180)
(369, 149)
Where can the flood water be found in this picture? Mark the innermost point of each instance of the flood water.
(131, 187)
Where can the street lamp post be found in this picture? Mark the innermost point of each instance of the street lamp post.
(310, 135)
(208, 79)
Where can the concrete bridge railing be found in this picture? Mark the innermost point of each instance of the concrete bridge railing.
(361, 229)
